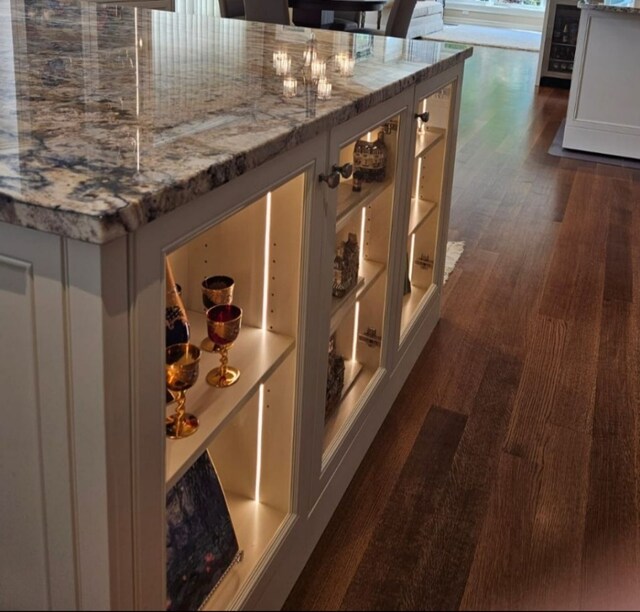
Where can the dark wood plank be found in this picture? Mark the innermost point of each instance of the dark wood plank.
(529, 553)
(536, 392)
(573, 291)
(422, 561)
(553, 566)
(496, 579)
(618, 270)
(414, 498)
(611, 564)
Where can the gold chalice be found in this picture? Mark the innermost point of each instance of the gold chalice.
(215, 290)
(181, 372)
(223, 327)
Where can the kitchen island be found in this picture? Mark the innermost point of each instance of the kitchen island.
(132, 139)
(603, 115)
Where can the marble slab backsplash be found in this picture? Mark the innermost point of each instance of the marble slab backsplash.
(112, 116)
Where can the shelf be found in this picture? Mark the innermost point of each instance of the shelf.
(352, 369)
(347, 408)
(420, 211)
(566, 74)
(257, 353)
(255, 525)
(412, 303)
(428, 140)
(370, 272)
(560, 44)
(350, 201)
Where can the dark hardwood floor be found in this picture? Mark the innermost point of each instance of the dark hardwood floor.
(506, 474)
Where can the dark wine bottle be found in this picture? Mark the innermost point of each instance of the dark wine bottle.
(177, 323)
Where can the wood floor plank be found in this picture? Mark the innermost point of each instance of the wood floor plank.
(536, 392)
(553, 573)
(429, 563)
(573, 291)
(582, 235)
(462, 342)
(611, 567)
(414, 498)
(323, 583)
(445, 562)
(618, 270)
(496, 579)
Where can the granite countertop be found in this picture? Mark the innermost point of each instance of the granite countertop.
(112, 116)
(614, 6)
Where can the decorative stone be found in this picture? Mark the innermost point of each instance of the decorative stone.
(335, 378)
(345, 266)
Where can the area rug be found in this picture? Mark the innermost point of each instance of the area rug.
(454, 250)
(525, 40)
(558, 150)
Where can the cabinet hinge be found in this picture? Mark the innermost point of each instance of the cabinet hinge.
(390, 126)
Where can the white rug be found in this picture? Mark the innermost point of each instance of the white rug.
(454, 250)
(526, 40)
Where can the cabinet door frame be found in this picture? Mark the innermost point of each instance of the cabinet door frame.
(418, 331)
(331, 477)
(149, 245)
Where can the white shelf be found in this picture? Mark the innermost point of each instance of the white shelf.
(412, 304)
(420, 211)
(427, 140)
(370, 271)
(256, 353)
(350, 201)
(255, 525)
(352, 369)
(346, 409)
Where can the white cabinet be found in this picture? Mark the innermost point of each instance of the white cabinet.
(603, 115)
(97, 410)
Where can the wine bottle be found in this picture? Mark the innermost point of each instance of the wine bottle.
(177, 323)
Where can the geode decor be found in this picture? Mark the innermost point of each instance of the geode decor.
(345, 266)
(335, 378)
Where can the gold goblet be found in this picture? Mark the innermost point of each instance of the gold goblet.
(215, 290)
(223, 326)
(181, 372)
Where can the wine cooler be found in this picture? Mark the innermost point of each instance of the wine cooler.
(559, 37)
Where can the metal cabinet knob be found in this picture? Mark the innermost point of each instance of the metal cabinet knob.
(423, 116)
(332, 179)
(346, 170)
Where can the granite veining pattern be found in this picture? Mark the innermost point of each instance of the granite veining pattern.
(113, 116)
(616, 6)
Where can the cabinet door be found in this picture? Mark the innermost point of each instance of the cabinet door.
(367, 155)
(263, 232)
(427, 228)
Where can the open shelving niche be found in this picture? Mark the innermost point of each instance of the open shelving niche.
(247, 428)
(424, 215)
(368, 214)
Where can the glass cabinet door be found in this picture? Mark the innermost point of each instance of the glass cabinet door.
(364, 212)
(425, 255)
(239, 282)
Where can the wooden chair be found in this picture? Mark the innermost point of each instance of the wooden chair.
(231, 8)
(267, 11)
(347, 20)
(398, 21)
